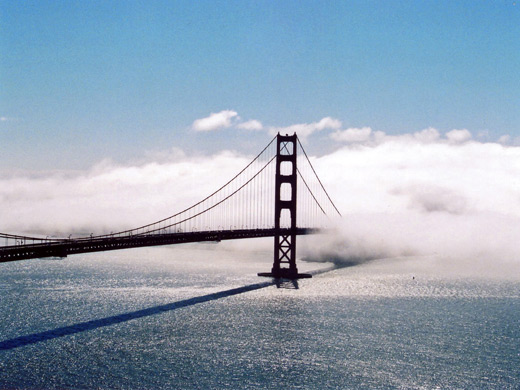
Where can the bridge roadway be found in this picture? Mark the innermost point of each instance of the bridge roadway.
(66, 247)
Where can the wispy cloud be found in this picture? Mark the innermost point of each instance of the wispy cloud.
(215, 121)
(225, 119)
(429, 135)
(230, 119)
(458, 136)
(504, 139)
(304, 130)
(8, 119)
(251, 125)
(352, 135)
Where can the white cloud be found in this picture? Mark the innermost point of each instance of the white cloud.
(251, 125)
(483, 135)
(219, 120)
(352, 135)
(430, 135)
(454, 201)
(425, 136)
(504, 139)
(306, 129)
(328, 123)
(225, 119)
(458, 136)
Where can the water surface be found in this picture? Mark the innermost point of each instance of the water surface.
(198, 317)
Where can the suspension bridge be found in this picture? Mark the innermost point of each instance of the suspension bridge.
(278, 194)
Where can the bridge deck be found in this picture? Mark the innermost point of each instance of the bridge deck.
(107, 243)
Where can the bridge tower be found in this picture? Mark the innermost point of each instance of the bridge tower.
(284, 265)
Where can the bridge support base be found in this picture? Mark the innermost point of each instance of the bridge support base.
(285, 274)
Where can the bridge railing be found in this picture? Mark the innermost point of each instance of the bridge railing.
(20, 240)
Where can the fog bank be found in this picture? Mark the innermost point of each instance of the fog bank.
(448, 197)
(419, 194)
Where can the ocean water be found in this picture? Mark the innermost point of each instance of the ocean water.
(198, 317)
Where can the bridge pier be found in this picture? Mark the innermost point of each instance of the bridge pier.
(284, 265)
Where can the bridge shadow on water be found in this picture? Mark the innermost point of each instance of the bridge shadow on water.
(117, 319)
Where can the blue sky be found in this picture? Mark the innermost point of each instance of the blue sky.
(81, 81)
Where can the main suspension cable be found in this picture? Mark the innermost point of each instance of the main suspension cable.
(317, 177)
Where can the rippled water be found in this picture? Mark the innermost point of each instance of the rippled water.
(198, 317)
